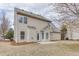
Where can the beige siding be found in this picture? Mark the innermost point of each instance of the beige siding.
(73, 33)
(55, 36)
(18, 27)
(30, 33)
(39, 24)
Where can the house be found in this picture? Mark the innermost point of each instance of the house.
(72, 30)
(30, 27)
(73, 33)
(55, 34)
(1, 38)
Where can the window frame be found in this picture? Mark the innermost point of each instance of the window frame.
(25, 20)
(42, 32)
(22, 35)
(22, 19)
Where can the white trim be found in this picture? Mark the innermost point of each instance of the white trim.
(28, 36)
(44, 36)
(49, 36)
(15, 27)
(40, 36)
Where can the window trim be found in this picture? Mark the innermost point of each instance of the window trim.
(22, 19)
(42, 32)
(22, 35)
(25, 20)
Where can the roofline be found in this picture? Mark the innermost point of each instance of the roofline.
(55, 32)
(23, 12)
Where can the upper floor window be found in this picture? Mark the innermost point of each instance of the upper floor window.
(22, 19)
(25, 20)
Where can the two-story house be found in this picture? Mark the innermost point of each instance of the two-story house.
(29, 27)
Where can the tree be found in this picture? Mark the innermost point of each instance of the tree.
(68, 11)
(4, 24)
(63, 32)
(10, 34)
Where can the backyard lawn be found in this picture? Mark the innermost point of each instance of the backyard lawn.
(56, 48)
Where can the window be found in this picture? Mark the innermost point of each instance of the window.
(37, 36)
(46, 35)
(22, 19)
(42, 34)
(25, 19)
(22, 35)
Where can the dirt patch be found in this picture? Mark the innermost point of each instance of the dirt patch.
(60, 48)
(22, 43)
(4, 40)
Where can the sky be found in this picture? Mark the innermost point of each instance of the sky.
(44, 9)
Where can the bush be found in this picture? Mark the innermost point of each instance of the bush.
(10, 35)
(67, 38)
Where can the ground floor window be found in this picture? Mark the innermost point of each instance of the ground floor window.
(42, 34)
(46, 35)
(37, 36)
(22, 35)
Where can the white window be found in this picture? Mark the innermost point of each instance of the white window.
(22, 35)
(22, 19)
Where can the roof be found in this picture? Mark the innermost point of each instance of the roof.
(23, 12)
(54, 28)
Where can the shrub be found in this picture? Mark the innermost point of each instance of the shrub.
(67, 38)
(10, 35)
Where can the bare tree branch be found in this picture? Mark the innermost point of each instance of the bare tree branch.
(4, 24)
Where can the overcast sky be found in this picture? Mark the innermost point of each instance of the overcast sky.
(43, 9)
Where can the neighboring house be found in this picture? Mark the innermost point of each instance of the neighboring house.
(73, 33)
(72, 30)
(55, 33)
(29, 27)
